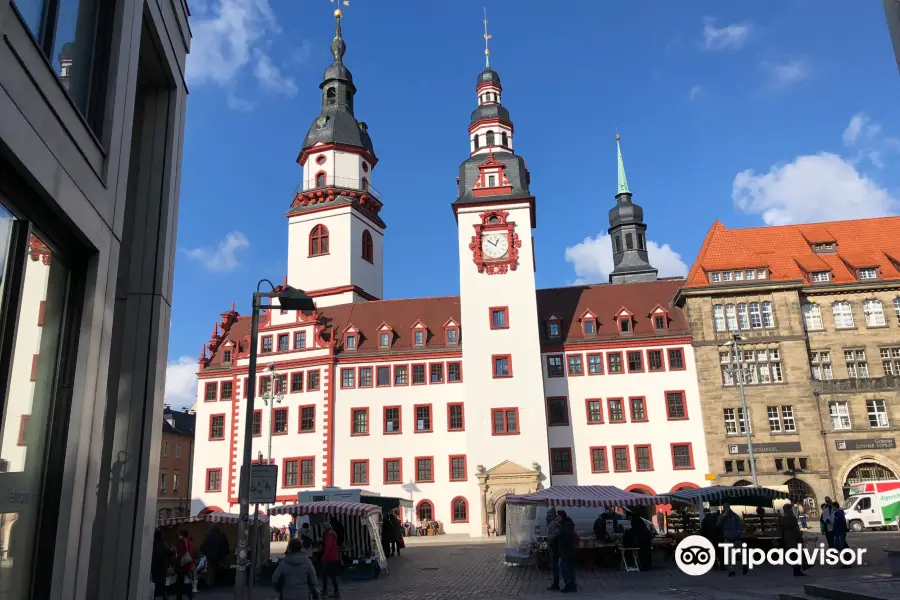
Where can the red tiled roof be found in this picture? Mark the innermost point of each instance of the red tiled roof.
(786, 250)
(568, 303)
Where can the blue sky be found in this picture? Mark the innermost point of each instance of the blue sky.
(772, 111)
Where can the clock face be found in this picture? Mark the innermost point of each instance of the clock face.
(494, 245)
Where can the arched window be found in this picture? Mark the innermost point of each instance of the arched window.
(476, 141)
(489, 138)
(349, 99)
(459, 509)
(320, 179)
(618, 244)
(318, 241)
(504, 139)
(425, 511)
(812, 317)
(331, 96)
(874, 311)
(364, 184)
(368, 252)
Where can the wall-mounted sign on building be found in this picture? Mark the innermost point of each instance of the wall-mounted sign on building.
(879, 444)
(765, 448)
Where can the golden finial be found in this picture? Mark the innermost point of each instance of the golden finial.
(487, 36)
(337, 12)
(617, 137)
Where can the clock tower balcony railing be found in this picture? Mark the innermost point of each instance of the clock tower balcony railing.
(347, 183)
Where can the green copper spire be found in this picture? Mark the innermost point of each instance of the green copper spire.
(487, 36)
(623, 182)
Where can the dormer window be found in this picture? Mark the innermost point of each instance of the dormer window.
(659, 322)
(384, 339)
(226, 356)
(350, 341)
(625, 325)
(492, 181)
(727, 276)
(419, 338)
(868, 273)
(590, 327)
(823, 248)
(715, 277)
(451, 332)
(553, 328)
(820, 276)
(419, 334)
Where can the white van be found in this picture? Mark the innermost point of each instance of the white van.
(873, 505)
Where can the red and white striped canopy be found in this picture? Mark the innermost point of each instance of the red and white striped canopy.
(586, 495)
(331, 507)
(213, 517)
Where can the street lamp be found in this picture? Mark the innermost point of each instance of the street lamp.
(737, 370)
(288, 299)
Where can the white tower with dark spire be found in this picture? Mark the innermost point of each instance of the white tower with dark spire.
(335, 232)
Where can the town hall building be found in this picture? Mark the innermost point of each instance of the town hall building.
(454, 402)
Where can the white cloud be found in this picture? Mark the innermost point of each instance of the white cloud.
(822, 187)
(694, 93)
(181, 382)
(224, 256)
(729, 37)
(860, 127)
(229, 37)
(593, 259)
(865, 136)
(787, 73)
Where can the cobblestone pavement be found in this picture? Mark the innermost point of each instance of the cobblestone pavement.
(465, 572)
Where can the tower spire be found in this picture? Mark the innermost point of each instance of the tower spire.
(487, 37)
(623, 182)
(338, 47)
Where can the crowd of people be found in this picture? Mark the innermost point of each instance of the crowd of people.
(392, 531)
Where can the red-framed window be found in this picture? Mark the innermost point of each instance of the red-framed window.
(365, 379)
(660, 321)
(368, 248)
(454, 372)
(312, 380)
(656, 362)
(359, 421)
(226, 390)
(555, 366)
(499, 317)
(419, 374)
(436, 372)
(420, 336)
(401, 374)
(359, 472)
(451, 335)
(643, 457)
(318, 241)
(676, 405)
(594, 410)
(599, 463)
(637, 405)
(624, 324)
(211, 392)
(614, 363)
(265, 384)
(557, 411)
(284, 342)
(458, 469)
(297, 472)
(456, 416)
(382, 376)
(246, 385)
(393, 420)
(281, 384)
(682, 456)
(621, 459)
(425, 511)
(257, 423)
(561, 461)
(616, 410)
(307, 418)
(575, 364)
(393, 471)
(459, 510)
(505, 421)
(424, 469)
(676, 359)
(351, 341)
(595, 364)
(385, 338)
(424, 418)
(299, 340)
(217, 427)
(321, 179)
(635, 361)
(501, 366)
(214, 480)
(348, 378)
(297, 382)
(280, 421)
(266, 344)
(589, 325)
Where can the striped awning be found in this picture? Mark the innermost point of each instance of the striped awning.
(586, 495)
(719, 494)
(213, 517)
(350, 509)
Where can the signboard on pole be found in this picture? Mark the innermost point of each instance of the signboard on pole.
(263, 484)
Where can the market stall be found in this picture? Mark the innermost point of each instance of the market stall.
(526, 541)
(361, 526)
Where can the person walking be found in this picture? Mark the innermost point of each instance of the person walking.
(732, 531)
(295, 576)
(568, 543)
(159, 565)
(185, 557)
(397, 542)
(792, 537)
(827, 521)
(331, 561)
(839, 530)
(644, 540)
(387, 535)
(553, 545)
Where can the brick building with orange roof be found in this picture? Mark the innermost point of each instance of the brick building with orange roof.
(817, 308)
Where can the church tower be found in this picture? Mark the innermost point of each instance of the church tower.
(627, 233)
(506, 424)
(335, 232)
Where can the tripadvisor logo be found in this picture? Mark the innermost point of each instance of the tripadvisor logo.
(696, 555)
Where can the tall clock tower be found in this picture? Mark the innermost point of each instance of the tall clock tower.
(335, 232)
(495, 212)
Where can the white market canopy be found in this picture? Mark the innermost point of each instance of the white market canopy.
(212, 517)
(720, 494)
(586, 495)
(350, 509)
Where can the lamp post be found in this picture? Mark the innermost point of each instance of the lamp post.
(737, 370)
(288, 299)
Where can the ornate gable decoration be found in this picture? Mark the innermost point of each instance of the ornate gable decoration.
(495, 245)
(492, 179)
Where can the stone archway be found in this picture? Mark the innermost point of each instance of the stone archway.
(866, 469)
(495, 484)
(803, 494)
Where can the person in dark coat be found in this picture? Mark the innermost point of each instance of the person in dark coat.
(553, 545)
(338, 528)
(215, 548)
(709, 528)
(398, 534)
(791, 536)
(600, 533)
(568, 544)
(387, 535)
(643, 538)
(159, 565)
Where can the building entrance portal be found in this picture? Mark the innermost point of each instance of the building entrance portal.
(495, 484)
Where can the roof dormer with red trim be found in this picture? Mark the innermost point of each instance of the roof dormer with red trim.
(351, 338)
(588, 323)
(419, 334)
(554, 327)
(625, 321)
(492, 179)
(451, 332)
(659, 317)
